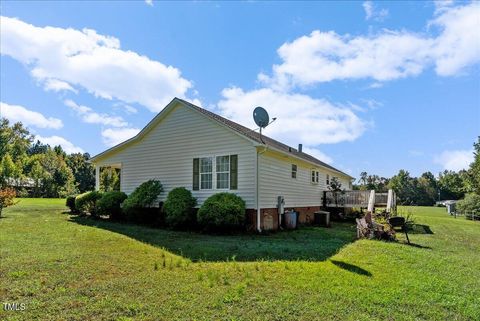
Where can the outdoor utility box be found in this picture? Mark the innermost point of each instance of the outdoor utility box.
(290, 220)
(322, 218)
(268, 222)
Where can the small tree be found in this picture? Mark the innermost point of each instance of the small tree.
(8, 170)
(336, 188)
(109, 179)
(7, 198)
(38, 174)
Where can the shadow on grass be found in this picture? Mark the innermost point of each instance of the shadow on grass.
(307, 243)
(351, 268)
(418, 246)
(420, 229)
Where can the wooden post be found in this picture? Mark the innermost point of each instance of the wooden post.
(97, 177)
(389, 201)
(394, 205)
(371, 201)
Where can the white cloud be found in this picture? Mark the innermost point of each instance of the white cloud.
(458, 45)
(92, 61)
(454, 160)
(57, 140)
(130, 109)
(372, 103)
(16, 113)
(315, 152)
(441, 5)
(57, 85)
(89, 116)
(326, 56)
(149, 2)
(376, 85)
(300, 118)
(114, 136)
(372, 13)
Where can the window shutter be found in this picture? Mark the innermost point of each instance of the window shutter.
(196, 176)
(233, 171)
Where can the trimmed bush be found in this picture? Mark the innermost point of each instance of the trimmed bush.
(179, 207)
(109, 204)
(222, 211)
(144, 196)
(87, 202)
(70, 203)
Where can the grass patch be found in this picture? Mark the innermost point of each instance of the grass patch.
(64, 267)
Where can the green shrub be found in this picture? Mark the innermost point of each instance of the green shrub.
(470, 204)
(179, 207)
(143, 196)
(70, 203)
(109, 204)
(222, 211)
(7, 198)
(87, 202)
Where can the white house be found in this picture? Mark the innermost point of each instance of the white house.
(185, 145)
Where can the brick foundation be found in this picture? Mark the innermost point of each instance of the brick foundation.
(269, 216)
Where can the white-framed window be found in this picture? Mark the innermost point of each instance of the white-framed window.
(328, 179)
(317, 175)
(223, 171)
(294, 171)
(206, 173)
(314, 177)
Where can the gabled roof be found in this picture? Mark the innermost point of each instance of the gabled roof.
(239, 129)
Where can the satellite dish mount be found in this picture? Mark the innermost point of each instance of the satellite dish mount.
(261, 118)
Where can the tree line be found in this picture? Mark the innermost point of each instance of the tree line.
(427, 188)
(35, 169)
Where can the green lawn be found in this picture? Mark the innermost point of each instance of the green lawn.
(63, 267)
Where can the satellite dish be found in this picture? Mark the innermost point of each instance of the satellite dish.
(260, 116)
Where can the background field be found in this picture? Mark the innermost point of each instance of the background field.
(64, 267)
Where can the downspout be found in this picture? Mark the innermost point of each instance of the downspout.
(259, 228)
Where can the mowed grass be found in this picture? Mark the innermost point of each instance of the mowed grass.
(68, 268)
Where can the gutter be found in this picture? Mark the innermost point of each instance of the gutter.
(265, 148)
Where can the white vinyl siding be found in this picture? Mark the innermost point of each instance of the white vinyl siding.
(275, 180)
(167, 151)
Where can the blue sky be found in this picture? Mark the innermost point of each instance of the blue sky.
(374, 86)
